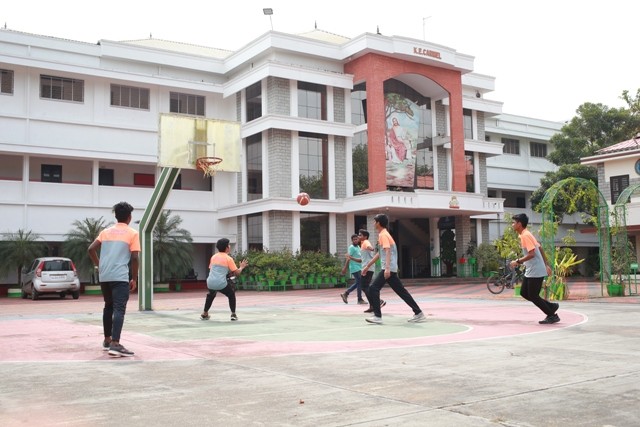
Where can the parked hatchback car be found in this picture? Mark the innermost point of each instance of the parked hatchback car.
(50, 275)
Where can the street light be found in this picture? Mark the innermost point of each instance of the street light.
(268, 11)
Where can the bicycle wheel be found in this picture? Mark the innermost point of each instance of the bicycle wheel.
(495, 283)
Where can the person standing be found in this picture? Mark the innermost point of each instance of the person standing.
(117, 268)
(389, 274)
(537, 268)
(353, 262)
(220, 266)
(366, 252)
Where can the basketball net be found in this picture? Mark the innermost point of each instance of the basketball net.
(208, 165)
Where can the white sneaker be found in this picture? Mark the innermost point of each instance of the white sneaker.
(375, 319)
(418, 318)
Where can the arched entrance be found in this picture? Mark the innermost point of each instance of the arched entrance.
(583, 192)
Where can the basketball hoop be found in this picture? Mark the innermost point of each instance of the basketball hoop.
(208, 165)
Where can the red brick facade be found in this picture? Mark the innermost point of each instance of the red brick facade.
(375, 69)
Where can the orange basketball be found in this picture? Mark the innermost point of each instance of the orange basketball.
(303, 199)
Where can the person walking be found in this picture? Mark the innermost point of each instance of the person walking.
(221, 266)
(537, 268)
(388, 274)
(353, 262)
(117, 268)
(366, 252)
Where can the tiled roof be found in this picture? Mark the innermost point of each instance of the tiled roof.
(631, 144)
(324, 36)
(187, 48)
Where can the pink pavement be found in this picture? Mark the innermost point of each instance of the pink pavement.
(70, 330)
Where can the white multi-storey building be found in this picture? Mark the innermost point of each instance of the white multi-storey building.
(365, 125)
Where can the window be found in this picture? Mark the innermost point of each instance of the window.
(253, 95)
(511, 146)
(514, 199)
(254, 167)
(359, 104)
(105, 177)
(61, 88)
(254, 231)
(177, 185)
(538, 149)
(468, 124)
(51, 173)
(128, 96)
(314, 232)
(144, 179)
(618, 184)
(6, 82)
(313, 165)
(186, 104)
(469, 171)
(312, 101)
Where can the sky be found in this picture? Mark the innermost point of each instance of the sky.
(548, 57)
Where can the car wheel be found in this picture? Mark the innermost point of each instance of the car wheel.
(34, 293)
(62, 295)
(75, 294)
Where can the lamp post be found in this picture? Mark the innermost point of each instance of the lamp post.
(268, 11)
(424, 34)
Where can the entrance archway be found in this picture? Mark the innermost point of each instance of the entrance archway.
(548, 232)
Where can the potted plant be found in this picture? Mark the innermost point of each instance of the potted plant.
(488, 258)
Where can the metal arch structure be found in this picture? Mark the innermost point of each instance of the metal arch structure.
(620, 236)
(548, 232)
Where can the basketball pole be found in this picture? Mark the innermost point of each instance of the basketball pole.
(149, 220)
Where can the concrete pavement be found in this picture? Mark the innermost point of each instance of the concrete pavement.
(303, 358)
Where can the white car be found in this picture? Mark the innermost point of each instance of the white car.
(50, 275)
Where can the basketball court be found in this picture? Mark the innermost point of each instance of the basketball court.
(305, 358)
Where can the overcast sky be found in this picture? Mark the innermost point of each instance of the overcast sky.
(548, 57)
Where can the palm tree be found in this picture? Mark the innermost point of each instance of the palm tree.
(172, 247)
(78, 240)
(19, 249)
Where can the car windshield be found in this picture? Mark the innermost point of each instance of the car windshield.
(57, 265)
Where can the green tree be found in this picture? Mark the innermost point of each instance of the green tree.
(78, 240)
(448, 250)
(572, 198)
(360, 162)
(172, 247)
(594, 127)
(19, 249)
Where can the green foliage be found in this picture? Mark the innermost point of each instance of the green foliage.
(488, 257)
(360, 162)
(574, 195)
(78, 239)
(508, 245)
(312, 185)
(269, 264)
(172, 247)
(19, 249)
(594, 127)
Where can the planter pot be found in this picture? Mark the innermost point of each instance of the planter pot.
(516, 291)
(14, 292)
(161, 287)
(615, 290)
(92, 290)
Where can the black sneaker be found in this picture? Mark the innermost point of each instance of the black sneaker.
(550, 319)
(105, 345)
(382, 303)
(234, 317)
(118, 350)
(369, 310)
(361, 301)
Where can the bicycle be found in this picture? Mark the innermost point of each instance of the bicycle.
(498, 281)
